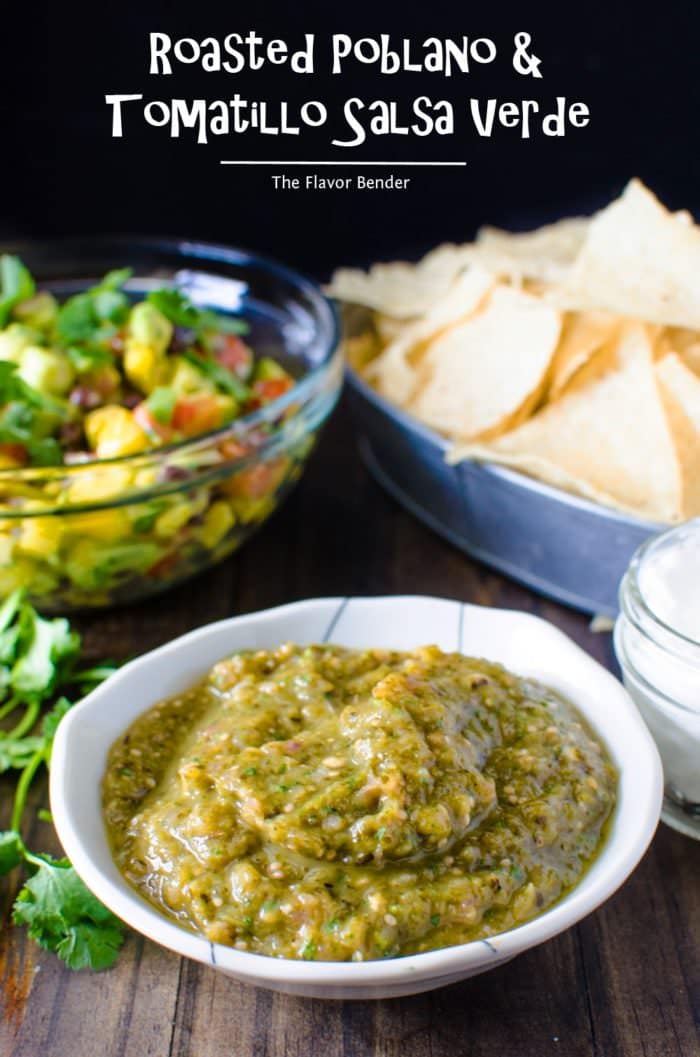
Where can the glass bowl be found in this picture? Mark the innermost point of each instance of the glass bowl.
(108, 531)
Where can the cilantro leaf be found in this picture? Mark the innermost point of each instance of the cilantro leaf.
(88, 678)
(81, 317)
(175, 307)
(13, 387)
(16, 753)
(50, 647)
(110, 306)
(19, 424)
(178, 308)
(113, 280)
(88, 946)
(53, 717)
(222, 323)
(11, 852)
(16, 284)
(85, 358)
(77, 320)
(37, 657)
(9, 641)
(63, 916)
(226, 380)
(55, 897)
(27, 415)
(9, 609)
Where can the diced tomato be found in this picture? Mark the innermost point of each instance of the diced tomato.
(164, 566)
(150, 424)
(197, 414)
(270, 389)
(257, 481)
(235, 355)
(17, 453)
(233, 449)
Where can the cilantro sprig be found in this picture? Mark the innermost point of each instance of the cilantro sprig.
(16, 284)
(27, 417)
(38, 660)
(226, 380)
(86, 318)
(203, 323)
(181, 312)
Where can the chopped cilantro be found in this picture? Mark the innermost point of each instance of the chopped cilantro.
(223, 378)
(16, 284)
(82, 317)
(63, 916)
(37, 660)
(178, 308)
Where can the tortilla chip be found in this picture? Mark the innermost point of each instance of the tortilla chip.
(638, 260)
(686, 343)
(583, 334)
(360, 349)
(482, 375)
(388, 328)
(680, 391)
(544, 255)
(394, 373)
(401, 290)
(609, 441)
(691, 358)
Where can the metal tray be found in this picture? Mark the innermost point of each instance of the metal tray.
(562, 546)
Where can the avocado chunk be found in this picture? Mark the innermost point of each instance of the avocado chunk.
(148, 326)
(14, 340)
(46, 370)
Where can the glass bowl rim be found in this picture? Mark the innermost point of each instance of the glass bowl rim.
(327, 325)
(636, 607)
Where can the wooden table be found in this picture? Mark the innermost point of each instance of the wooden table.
(626, 981)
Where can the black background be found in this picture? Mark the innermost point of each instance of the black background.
(62, 173)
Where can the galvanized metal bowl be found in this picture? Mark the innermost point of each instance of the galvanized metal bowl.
(558, 544)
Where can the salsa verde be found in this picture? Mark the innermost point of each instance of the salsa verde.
(326, 803)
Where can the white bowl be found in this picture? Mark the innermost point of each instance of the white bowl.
(525, 644)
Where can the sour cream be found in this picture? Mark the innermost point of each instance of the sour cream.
(657, 641)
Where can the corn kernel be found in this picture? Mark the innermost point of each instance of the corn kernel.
(250, 510)
(112, 431)
(106, 525)
(26, 572)
(172, 520)
(145, 367)
(105, 482)
(41, 536)
(217, 522)
(7, 546)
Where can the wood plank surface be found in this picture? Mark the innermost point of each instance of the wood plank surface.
(623, 983)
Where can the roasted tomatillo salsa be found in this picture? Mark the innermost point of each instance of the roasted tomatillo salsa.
(328, 803)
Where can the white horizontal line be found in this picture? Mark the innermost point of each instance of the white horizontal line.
(389, 163)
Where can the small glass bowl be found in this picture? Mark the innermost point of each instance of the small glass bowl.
(661, 663)
(108, 531)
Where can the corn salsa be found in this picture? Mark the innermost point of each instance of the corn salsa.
(326, 803)
(100, 376)
(108, 489)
